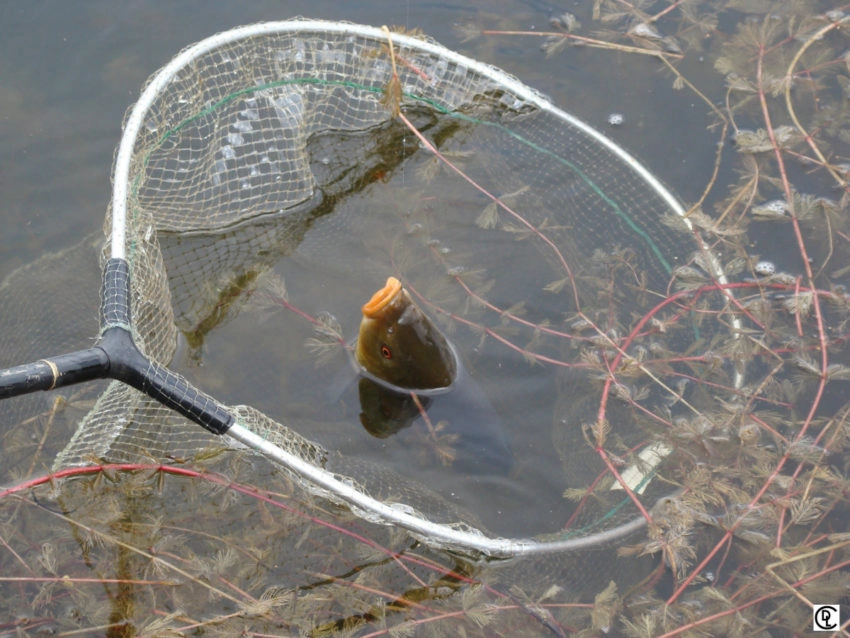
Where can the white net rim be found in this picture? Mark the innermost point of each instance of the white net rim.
(431, 532)
(136, 119)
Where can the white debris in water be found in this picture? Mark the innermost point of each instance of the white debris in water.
(645, 30)
(765, 268)
(775, 209)
(243, 126)
(616, 119)
(250, 113)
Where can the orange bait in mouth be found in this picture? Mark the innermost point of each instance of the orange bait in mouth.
(382, 298)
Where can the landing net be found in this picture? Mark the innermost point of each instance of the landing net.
(263, 149)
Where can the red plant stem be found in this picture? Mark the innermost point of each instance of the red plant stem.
(755, 601)
(821, 331)
(253, 492)
(720, 386)
(590, 490)
(764, 424)
(522, 220)
(513, 317)
(665, 11)
(604, 455)
(17, 556)
(301, 313)
(491, 333)
(797, 315)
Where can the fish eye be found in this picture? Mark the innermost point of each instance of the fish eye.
(386, 353)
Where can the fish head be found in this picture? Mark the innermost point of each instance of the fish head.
(400, 346)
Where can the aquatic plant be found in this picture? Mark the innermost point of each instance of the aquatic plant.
(737, 386)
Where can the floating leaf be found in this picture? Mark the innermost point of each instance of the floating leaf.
(553, 45)
(328, 326)
(737, 83)
(799, 304)
(403, 630)
(600, 429)
(574, 494)
(489, 217)
(724, 65)
(806, 450)
(467, 31)
(606, 605)
(554, 590)
(838, 372)
(749, 141)
(481, 616)
(806, 510)
(556, 286)
(565, 22)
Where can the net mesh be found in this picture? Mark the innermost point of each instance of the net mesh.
(589, 316)
(267, 147)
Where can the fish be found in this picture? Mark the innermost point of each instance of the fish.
(399, 346)
(401, 353)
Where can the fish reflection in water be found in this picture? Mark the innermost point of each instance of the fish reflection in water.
(407, 366)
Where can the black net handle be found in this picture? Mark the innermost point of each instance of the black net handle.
(116, 356)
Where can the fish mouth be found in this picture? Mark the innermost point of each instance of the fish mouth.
(381, 299)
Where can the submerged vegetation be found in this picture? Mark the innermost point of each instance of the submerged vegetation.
(730, 368)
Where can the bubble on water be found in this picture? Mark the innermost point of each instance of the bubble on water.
(616, 119)
(765, 268)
